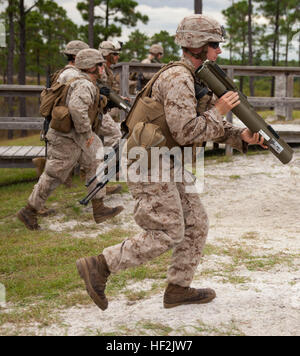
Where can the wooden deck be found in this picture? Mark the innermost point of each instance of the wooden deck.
(19, 156)
(290, 133)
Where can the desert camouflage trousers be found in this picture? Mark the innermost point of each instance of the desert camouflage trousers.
(172, 219)
(109, 130)
(63, 155)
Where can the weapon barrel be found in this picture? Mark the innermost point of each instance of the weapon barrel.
(220, 83)
(116, 99)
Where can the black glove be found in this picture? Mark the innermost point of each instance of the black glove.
(200, 91)
(111, 104)
(105, 91)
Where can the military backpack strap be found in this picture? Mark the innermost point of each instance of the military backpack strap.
(147, 90)
(55, 75)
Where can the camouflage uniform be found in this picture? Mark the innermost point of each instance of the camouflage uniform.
(67, 73)
(65, 150)
(170, 217)
(154, 49)
(110, 129)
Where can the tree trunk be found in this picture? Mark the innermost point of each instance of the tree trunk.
(286, 61)
(91, 23)
(276, 33)
(22, 59)
(250, 58)
(10, 61)
(11, 44)
(106, 19)
(38, 66)
(299, 52)
(198, 6)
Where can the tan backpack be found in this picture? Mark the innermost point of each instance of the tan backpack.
(151, 113)
(53, 104)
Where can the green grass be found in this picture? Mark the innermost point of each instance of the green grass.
(38, 268)
(33, 140)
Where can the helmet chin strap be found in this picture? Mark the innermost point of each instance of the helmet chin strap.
(202, 55)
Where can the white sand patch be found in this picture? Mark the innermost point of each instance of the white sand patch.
(253, 203)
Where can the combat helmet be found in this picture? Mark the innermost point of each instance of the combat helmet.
(73, 47)
(197, 30)
(108, 47)
(156, 49)
(88, 58)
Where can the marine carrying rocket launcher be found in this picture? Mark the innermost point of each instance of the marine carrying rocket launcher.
(215, 78)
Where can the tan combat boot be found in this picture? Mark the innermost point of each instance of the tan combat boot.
(39, 163)
(28, 216)
(46, 212)
(114, 189)
(102, 212)
(94, 271)
(176, 295)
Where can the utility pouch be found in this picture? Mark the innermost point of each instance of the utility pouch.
(146, 110)
(61, 119)
(145, 135)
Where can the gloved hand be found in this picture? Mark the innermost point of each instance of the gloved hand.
(111, 104)
(105, 91)
(200, 91)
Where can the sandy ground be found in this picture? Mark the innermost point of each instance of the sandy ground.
(253, 204)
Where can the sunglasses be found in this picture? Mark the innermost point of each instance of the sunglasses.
(100, 64)
(214, 45)
(115, 54)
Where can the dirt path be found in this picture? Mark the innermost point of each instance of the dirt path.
(252, 262)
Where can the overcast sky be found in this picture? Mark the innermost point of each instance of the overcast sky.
(163, 14)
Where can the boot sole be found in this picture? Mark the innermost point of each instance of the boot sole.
(102, 219)
(83, 271)
(22, 218)
(48, 212)
(202, 301)
(118, 190)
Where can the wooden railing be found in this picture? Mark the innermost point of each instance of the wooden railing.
(283, 103)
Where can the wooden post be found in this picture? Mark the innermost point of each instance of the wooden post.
(289, 93)
(280, 92)
(198, 6)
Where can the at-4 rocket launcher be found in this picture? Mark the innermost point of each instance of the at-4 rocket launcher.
(217, 80)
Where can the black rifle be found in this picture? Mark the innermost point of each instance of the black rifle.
(121, 104)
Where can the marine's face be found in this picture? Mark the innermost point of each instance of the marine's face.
(213, 51)
(114, 57)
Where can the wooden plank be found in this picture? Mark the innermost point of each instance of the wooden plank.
(35, 151)
(25, 152)
(21, 125)
(22, 151)
(266, 102)
(256, 71)
(21, 119)
(20, 90)
(3, 149)
(11, 151)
